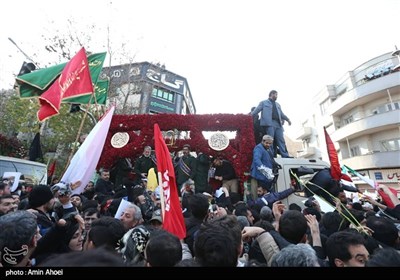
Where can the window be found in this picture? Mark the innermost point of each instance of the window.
(391, 145)
(34, 172)
(306, 143)
(163, 94)
(355, 151)
(348, 120)
(392, 106)
(324, 106)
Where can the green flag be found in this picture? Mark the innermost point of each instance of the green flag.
(35, 83)
(100, 97)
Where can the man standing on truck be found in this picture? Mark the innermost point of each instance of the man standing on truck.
(264, 169)
(273, 118)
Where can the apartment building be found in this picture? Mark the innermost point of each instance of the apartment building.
(361, 113)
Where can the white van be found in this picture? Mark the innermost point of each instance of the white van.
(34, 172)
(293, 165)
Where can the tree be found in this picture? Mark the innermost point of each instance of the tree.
(11, 147)
(21, 122)
(17, 115)
(60, 132)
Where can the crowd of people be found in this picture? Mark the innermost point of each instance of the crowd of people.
(119, 221)
(223, 227)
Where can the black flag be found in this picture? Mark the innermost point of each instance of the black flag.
(35, 151)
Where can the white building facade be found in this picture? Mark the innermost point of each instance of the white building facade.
(361, 113)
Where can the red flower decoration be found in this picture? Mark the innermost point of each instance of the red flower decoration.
(140, 130)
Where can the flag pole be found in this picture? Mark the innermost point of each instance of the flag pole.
(162, 199)
(77, 138)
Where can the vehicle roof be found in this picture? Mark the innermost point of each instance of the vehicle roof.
(20, 160)
(300, 161)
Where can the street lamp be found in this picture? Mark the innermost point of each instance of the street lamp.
(27, 56)
(77, 108)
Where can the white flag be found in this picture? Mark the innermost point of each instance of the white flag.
(84, 162)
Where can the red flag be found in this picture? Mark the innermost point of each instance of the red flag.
(52, 169)
(173, 218)
(386, 198)
(336, 171)
(75, 80)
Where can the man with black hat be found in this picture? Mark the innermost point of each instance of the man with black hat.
(41, 203)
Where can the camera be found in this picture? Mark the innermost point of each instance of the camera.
(309, 202)
(61, 188)
(213, 208)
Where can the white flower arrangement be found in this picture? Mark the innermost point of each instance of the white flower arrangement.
(266, 171)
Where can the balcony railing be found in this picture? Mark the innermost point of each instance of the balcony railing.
(374, 160)
(307, 153)
(368, 125)
(304, 132)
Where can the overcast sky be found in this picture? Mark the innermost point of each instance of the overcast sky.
(231, 52)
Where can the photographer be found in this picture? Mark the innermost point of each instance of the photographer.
(63, 207)
(311, 202)
(312, 208)
(143, 200)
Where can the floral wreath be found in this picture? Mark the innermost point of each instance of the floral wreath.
(140, 129)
